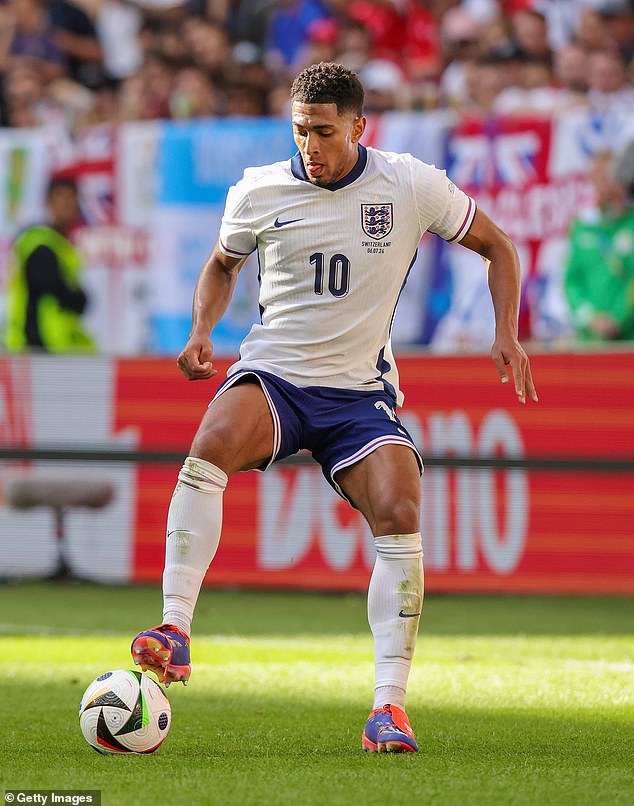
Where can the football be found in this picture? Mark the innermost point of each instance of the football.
(124, 712)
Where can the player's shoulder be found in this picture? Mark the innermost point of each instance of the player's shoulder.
(379, 157)
(265, 176)
(400, 161)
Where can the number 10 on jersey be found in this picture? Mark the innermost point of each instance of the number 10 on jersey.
(338, 273)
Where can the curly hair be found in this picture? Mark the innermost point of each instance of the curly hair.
(329, 83)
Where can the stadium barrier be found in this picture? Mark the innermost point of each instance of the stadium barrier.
(535, 498)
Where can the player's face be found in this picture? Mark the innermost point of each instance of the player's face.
(326, 140)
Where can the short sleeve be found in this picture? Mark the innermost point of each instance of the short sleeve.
(442, 207)
(237, 238)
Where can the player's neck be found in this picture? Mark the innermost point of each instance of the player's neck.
(299, 171)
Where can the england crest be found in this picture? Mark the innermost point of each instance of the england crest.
(377, 220)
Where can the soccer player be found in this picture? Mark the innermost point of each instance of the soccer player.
(335, 228)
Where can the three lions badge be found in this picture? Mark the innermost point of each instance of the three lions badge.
(377, 220)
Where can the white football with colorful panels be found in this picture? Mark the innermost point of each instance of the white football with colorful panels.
(124, 712)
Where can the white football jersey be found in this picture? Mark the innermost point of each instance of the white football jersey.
(333, 262)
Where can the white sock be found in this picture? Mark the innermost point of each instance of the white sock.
(194, 522)
(395, 600)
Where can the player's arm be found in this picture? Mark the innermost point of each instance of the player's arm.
(214, 289)
(488, 240)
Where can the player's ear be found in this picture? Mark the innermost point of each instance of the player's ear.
(358, 127)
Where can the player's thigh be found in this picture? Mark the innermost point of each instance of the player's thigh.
(236, 432)
(386, 487)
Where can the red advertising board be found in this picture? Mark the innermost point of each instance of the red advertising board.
(518, 530)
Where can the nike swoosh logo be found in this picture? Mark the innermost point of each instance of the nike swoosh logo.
(278, 223)
(408, 615)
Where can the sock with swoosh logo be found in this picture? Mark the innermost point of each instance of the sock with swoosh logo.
(194, 522)
(395, 600)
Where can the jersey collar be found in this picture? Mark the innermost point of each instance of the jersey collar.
(299, 172)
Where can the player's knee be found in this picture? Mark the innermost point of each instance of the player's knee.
(213, 443)
(398, 515)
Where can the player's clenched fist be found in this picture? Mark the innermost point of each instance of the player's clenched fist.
(195, 359)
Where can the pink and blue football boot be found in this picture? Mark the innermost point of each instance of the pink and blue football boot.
(388, 731)
(163, 650)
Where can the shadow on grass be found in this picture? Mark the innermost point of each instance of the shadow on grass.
(250, 749)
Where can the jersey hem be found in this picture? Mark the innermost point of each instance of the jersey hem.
(376, 385)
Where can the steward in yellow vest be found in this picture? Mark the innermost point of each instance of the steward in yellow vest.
(45, 300)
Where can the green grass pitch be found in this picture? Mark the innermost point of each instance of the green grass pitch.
(514, 700)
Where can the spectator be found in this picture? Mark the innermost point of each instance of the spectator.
(495, 83)
(535, 93)
(484, 11)
(542, 92)
(592, 33)
(354, 46)
(45, 299)
(172, 12)
(440, 51)
(245, 100)
(421, 54)
(209, 45)
(618, 19)
(562, 18)
(460, 47)
(599, 280)
(279, 103)
(247, 66)
(495, 36)
(531, 34)
(249, 20)
(27, 102)
(156, 82)
(386, 25)
(118, 26)
(484, 82)
(104, 108)
(321, 44)
(385, 86)
(571, 72)
(288, 28)
(23, 91)
(33, 36)
(75, 35)
(609, 88)
(193, 95)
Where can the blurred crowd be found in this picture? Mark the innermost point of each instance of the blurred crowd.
(93, 61)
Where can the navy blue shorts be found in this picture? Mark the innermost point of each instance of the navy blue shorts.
(338, 426)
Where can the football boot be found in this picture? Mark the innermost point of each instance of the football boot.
(388, 731)
(163, 650)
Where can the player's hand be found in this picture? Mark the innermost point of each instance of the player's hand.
(507, 351)
(195, 359)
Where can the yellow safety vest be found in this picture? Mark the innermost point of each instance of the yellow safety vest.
(61, 330)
